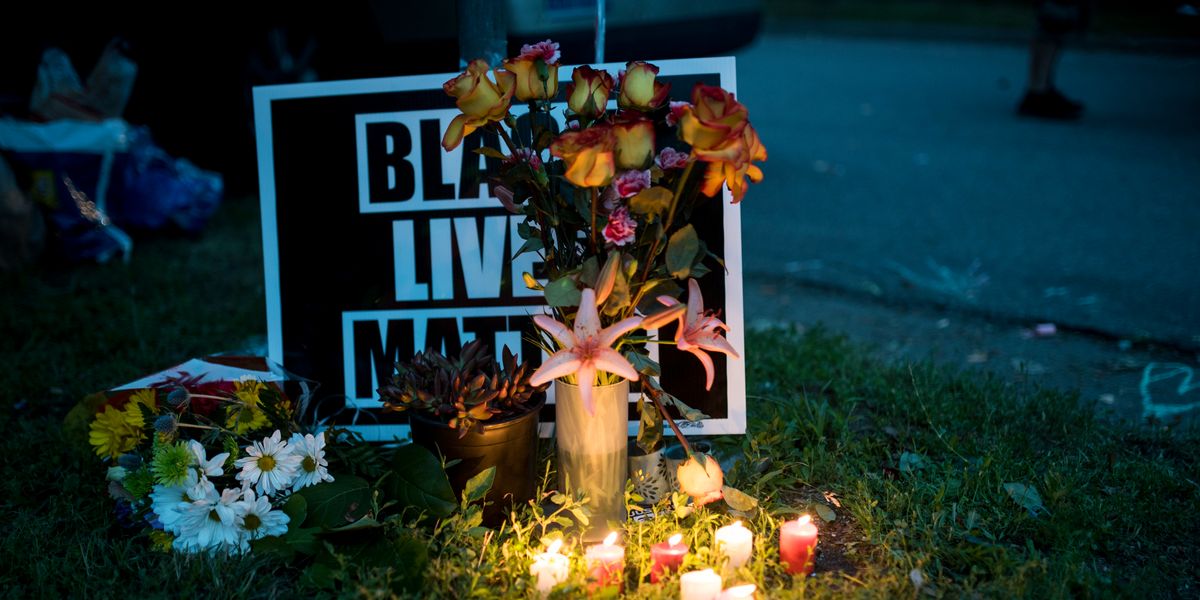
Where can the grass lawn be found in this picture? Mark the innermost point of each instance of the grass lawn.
(911, 462)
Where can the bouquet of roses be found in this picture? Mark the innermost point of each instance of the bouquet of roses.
(205, 467)
(607, 203)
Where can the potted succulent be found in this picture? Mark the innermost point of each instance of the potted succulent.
(474, 410)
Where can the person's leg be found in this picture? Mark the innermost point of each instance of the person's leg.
(1043, 56)
(1055, 18)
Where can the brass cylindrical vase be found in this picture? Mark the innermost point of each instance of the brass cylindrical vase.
(593, 450)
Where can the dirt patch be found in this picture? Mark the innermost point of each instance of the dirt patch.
(838, 538)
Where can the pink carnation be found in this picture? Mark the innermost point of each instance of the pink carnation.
(629, 183)
(671, 158)
(547, 51)
(676, 112)
(621, 227)
(526, 155)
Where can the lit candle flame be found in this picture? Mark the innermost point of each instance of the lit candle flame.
(804, 520)
(611, 539)
(675, 539)
(554, 546)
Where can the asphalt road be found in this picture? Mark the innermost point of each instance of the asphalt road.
(898, 170)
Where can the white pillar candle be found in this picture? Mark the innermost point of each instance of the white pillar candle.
(738, 592)
(699, 585)
(550, 568)
(736, 543)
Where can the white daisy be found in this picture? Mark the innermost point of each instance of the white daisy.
(168, 502)
(210, 468)
(210, 524)
(270, 466)
(310, 450)
(255, 519)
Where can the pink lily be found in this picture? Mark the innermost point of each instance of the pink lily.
(699, 331)
(586, 349)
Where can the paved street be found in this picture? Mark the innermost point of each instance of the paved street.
(907, 206)
(898, 170)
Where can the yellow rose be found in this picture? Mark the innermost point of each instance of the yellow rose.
(480, 100)
(639, 89)
(635, 144)
(529, 82)
(587, 94)
(702, 483)
(718, 128)
(588, 155)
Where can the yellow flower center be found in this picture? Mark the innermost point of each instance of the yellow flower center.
(252, 522)
(266, 463)
(309, 464)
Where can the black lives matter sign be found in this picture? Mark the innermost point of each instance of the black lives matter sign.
(378, 244)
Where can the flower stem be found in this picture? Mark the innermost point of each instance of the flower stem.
(595, 202)
(653, 394)
(641, 288)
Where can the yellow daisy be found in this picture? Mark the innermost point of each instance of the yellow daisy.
(145, 397)
(246, 415)
(115, 431)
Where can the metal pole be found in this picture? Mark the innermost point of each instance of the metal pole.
(482, 31)
(599, 31)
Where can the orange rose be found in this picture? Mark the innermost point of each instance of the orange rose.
(587, 94)
(635, 143)
(588, 155)
(639, 90)
(530, 85)
(718, 128)
(480, 100)
(704, 483)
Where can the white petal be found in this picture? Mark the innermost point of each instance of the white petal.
(563, 362)
(585, 379)
(708, 366)
(614, 332)
(561, 332)
(695, 301)
(611, 361)
(587, 320)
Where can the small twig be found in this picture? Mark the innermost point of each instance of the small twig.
(653, 395)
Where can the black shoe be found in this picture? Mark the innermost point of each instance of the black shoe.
(1050, 104)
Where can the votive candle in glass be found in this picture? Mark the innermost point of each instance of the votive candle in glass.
(550, 568)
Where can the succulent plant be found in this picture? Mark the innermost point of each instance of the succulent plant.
(462, 392)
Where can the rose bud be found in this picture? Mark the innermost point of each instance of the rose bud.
(702, 482)
(587, 94)
(530, 85)
(635, 143)
(588, 155)
(639, 90)
(480, 100)
(714, 121)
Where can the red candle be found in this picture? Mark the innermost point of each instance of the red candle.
(797, 544)
(667, 556)
(606, 563)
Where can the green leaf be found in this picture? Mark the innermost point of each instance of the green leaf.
(531, 245)
(686, 411)
(644, 364)
(318, 576)
(418, 481)
(590, 272)
(651, 203)
(911, 462)
(359, 525)
(296, 508)
(562, 292)
(337, 503)
(681, 251)
(1027, 496)
(477, 487)
(739, 500)
(490, 152)
(825, 513)
(650, 426)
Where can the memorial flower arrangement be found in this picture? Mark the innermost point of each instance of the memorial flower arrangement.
(608, 199)
(206, 469)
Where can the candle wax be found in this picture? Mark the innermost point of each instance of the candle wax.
(665, 559)
(699, 585)
(550, 569)
(606, 564)
(735, 542)
(797, 544)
